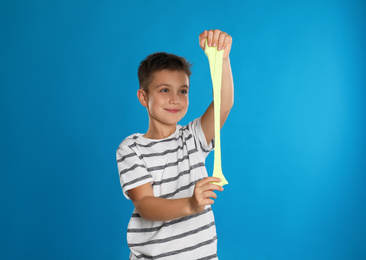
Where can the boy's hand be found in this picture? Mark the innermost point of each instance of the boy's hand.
(217, 38)
(203, 192)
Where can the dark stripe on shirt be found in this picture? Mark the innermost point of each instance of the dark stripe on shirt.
(191, 248)
(125, 156)
(155, 154)
(155, 168)
(179, 175)
(168, 239)
(208, 257)
(166, 224)
(163, 153)
(179, 190)
(159, 142)
(136, 180)
(131, 168)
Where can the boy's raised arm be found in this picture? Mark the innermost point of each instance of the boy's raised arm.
(222, 41)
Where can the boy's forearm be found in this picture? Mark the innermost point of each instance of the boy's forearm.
(227, 90)
(159, 209)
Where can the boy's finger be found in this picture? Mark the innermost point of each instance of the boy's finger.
(212, 186)
(228, 40)
(221, 43)
(210, 194)
(216, 35)
(213, 179)
(207, 180)
(203, 34)
(209, 202)
(209, 37)
(202, 38)
(227, 45)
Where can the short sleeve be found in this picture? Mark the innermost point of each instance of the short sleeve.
(132, 170)
(200, 137)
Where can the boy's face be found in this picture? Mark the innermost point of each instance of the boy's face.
(167, 97)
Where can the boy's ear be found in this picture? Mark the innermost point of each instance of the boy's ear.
(142, 96)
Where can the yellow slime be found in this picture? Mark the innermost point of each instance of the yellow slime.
(215, 59)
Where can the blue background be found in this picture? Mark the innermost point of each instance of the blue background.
(293, 147)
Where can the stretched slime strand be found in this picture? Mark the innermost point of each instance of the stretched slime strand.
(215, 59)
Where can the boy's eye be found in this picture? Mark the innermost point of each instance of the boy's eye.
(184, 92)
(164, 90)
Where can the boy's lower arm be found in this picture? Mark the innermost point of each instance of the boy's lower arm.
(227, 87)
(159, 209)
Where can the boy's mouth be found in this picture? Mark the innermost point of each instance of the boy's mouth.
(174, 110)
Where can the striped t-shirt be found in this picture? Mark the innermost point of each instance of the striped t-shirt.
(172, 165)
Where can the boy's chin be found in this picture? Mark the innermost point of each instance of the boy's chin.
(173, 121)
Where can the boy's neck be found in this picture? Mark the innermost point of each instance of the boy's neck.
(160, 132)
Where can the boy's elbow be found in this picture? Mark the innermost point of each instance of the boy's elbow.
(143, 214)
(231, 103)
(139, 206)
(143, 208)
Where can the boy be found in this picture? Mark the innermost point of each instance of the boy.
(163, 171)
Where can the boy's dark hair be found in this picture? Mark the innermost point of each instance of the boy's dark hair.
(160, 61)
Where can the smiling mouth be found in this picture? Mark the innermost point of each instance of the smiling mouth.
(172, 110)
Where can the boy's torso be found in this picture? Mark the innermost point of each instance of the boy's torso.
(175, 163)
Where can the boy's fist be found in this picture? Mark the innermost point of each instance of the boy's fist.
(203, 192)
(217, 38)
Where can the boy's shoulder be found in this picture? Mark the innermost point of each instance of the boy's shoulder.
(128, 145)
(129, 140)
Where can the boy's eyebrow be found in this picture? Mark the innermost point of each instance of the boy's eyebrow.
(163, 84)
(169, 85)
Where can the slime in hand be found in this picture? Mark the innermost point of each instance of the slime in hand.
(215, 59)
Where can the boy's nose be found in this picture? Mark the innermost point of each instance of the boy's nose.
(174, 99)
